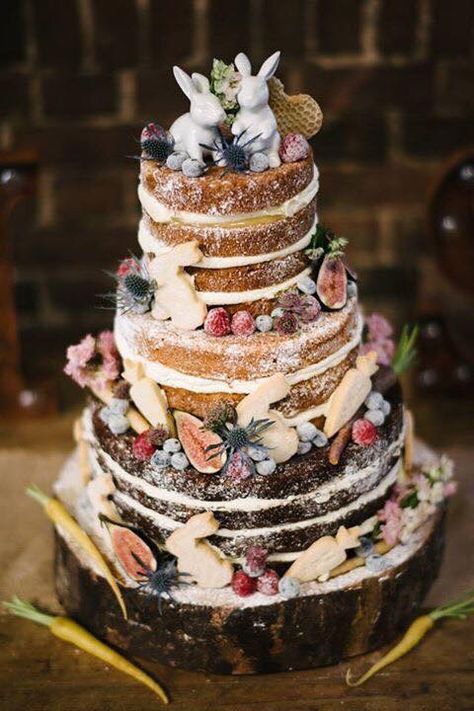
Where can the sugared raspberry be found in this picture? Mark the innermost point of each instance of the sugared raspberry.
(364, 432)
(125, 267)
(217, 322)
(255, 561)
(143, 449)
(242, 584)
(293, 147)
(267, 584)
(243, 324)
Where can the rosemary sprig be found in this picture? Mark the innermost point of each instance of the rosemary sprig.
(406, 353)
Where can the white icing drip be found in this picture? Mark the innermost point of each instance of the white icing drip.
(161, 213)
(170, 524)
(214, 298)
(165, 375)
(149, 243)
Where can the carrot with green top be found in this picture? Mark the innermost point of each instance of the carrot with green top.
(69, 631)
(459, 610)
(60, 516)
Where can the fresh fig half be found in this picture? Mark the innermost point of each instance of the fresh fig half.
(134, 554)
(331, 285)
(195, 441)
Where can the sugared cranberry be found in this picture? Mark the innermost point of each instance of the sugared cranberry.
(242, 584)
(267, 583)
(143, 449)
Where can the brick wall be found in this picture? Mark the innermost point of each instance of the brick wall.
(78, 79)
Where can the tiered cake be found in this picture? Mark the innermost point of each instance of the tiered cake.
(245, 463)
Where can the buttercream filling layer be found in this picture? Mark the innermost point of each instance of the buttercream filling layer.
(149, 243)
(160, 212)
(164, 375)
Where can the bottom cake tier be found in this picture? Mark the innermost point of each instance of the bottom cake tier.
(213, 631)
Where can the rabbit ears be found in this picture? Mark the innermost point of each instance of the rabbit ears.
(190, 85)
(267, 69)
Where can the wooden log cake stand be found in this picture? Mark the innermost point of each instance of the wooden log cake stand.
(346, 616)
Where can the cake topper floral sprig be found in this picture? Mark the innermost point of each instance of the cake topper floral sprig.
(225, 84)
(157, 144)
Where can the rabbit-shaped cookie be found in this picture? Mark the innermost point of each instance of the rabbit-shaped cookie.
(255, 117)
(199, 126)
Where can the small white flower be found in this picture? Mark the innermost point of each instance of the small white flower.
(437, 492)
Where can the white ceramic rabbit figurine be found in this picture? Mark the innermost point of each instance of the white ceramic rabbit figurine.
(199, 126)
(255, 117)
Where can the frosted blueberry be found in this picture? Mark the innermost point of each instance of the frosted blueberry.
(179, 461)
(306, 285)
(351, 289)
(264, 323)
(306, 431)
(258, 162)
(172, 445)
(266, 466)
(365, 548)
(104, 414)
(304, 447)
(175, 161)
(118, 424)
(192, 168)
(320, 440)
(160, 459)
(375, 563)
(117, 406)
(276, 313)
(386, 407)
(374, 400)
(257, 454)
(376, 417)
(288, 587)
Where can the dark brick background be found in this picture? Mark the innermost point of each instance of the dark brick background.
(78, 78)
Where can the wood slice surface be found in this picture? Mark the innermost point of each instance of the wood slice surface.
(302, 633)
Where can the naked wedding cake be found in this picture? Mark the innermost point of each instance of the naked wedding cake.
(245, 463)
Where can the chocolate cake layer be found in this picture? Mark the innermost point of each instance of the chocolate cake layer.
(346, 616)
(283, 505)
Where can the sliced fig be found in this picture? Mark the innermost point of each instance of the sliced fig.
(195, 440)
(134, 554)
(331, 285)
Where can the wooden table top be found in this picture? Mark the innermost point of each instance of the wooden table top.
(40, 673)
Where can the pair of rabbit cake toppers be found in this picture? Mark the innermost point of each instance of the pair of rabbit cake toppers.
(196, 132)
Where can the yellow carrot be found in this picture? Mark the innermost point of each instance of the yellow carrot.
(415, 633)
(59, 515)
(69, 631)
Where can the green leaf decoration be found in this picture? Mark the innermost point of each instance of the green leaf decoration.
(406, 353)
(324, 241)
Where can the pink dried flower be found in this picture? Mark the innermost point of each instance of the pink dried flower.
(78, 358)
(287, 324)
(378, 327)
(94, 362)
(384, 349)
(391, 516)
(450, 488)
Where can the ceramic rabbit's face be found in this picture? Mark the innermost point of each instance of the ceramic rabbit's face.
(206, 110)
(253, 93)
